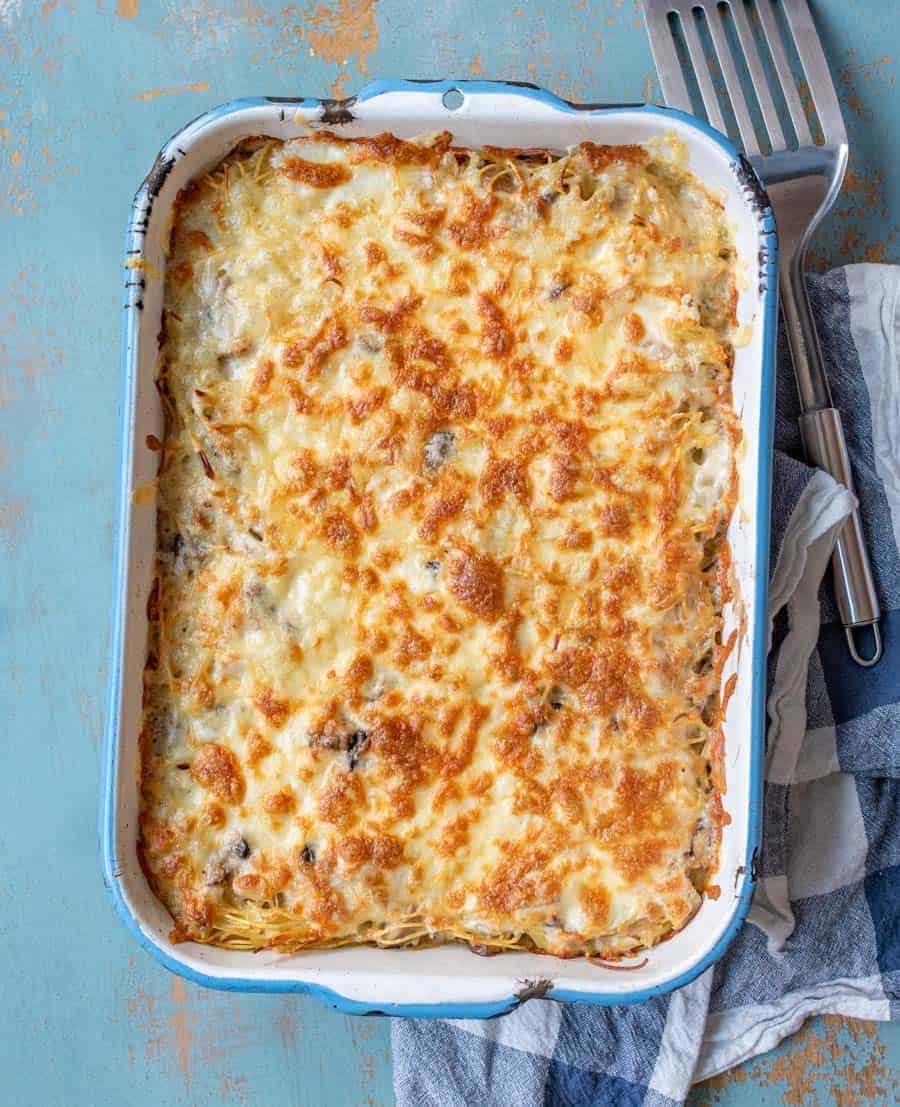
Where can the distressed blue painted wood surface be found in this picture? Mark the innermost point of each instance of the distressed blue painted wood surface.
(88, 91)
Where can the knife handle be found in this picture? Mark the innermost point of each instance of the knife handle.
(826, 447)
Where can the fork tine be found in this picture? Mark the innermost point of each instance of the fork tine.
(757, 75)
(732, 80)
(815, 66)
(701, 67)
(785, 74)
(665, 58)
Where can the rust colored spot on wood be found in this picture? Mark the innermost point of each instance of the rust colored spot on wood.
(338, 87)
(182, 1027)
(12, 516)
(152, 93)
(820, 1064)
(344, 31)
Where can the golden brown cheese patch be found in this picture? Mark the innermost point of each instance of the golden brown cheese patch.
(395, 151)
(477, 582)
(218, 770)
(496, 333)
(434, 634)
(315, 174)
(601, 157)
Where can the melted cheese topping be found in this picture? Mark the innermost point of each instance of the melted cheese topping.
(435, 636)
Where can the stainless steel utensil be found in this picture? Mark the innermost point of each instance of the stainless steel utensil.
(738, 52)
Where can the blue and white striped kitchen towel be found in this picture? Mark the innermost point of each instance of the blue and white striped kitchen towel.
(823, 934)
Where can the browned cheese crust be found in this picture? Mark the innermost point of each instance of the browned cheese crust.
(435, 643)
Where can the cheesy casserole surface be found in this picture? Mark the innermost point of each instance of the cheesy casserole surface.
(435, 645)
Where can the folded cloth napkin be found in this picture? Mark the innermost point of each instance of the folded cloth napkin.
(823, 934)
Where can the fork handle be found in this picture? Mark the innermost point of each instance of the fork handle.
(826, 447)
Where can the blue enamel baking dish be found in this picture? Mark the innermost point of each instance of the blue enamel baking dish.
(447, 981)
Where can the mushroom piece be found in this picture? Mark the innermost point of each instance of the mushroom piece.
(439, 449)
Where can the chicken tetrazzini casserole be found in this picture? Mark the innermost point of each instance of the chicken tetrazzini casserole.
(436, 644)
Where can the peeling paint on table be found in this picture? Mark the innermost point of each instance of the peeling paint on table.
(829, 1060)
(89, 89)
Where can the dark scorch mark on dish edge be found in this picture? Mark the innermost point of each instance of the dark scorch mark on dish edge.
(337, 113)
(534, 989)
(756, 196)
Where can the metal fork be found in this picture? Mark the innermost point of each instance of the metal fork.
(802, 183)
